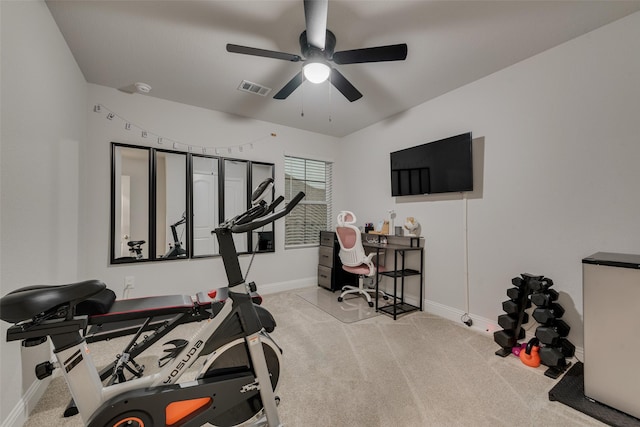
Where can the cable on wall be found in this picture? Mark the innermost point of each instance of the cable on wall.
(162, 140)
(466, 319)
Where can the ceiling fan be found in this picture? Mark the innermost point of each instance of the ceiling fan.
(317, 45)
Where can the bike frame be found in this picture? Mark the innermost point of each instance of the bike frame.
(89, 393)
(84, 382)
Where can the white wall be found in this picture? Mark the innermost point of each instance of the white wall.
(560, 180)
(44, 122)
(199, 127)
(559, 134)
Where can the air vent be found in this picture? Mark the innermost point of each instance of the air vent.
(247, 86)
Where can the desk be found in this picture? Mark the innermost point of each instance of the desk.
(400, 246)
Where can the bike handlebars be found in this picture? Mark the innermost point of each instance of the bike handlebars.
(275, 203)
(257, 216)
(255, 222)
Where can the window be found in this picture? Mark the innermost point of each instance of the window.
(313, 214)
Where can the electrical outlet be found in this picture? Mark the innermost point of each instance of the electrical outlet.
(129, 282)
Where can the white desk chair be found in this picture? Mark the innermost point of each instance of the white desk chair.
(354, 259)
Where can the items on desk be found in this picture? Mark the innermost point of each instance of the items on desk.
(413, 227)
(382, 228)
(368, 227)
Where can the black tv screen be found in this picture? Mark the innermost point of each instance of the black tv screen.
(443, 166)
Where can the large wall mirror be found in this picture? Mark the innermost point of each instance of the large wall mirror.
(165, 204)
(236, 174)
(129, 203)
(206, 205)
(262, 239)
(171, 204)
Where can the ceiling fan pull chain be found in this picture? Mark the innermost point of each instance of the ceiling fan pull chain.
(330, 102)
(302, 97)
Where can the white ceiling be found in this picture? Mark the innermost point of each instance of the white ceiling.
(178, 48)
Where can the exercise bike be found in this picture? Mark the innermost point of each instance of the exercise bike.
(235, 384)
(148, 319)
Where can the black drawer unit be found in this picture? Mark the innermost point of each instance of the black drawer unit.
(330, 273)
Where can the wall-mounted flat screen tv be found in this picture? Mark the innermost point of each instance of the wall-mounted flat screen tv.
(443, 166)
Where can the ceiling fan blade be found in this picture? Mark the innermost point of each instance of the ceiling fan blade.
(289, 87)
(395, 52)
(344, 86)
(234, 48)
(315, 16)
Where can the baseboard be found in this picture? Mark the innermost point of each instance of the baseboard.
(20, 412)
(479, 323)
(272, 288)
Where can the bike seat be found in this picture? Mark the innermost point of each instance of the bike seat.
(26, 303)
(135, 243)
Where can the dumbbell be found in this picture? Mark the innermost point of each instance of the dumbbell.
(512, 307)
(540, 284)
(567, 348)
(551, 334)
(527, 277)
(510, 321)
(517, 282)
(552, 357)
(524, 278)
(543, 299)
(507, 338)
(514, 293)
(545, 315)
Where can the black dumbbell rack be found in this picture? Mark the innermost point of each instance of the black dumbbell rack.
(515, 316)
(552, 332)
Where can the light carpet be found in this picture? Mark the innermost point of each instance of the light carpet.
(420, 370)
(351, 309)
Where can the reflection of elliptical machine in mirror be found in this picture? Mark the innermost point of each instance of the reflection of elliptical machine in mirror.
(175, 248)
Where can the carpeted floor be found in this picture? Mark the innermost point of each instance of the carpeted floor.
(420, 370)
(353, 307)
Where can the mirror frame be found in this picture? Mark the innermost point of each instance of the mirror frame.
(151, 232)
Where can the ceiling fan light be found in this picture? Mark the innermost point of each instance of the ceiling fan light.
(316, 72)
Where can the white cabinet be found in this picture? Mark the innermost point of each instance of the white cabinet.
(611, 298)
